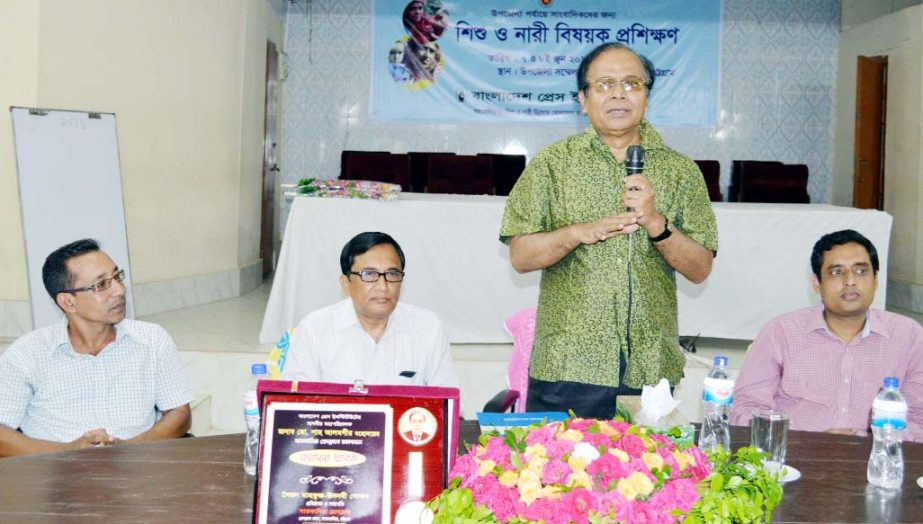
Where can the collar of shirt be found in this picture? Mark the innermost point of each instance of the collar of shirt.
(346, 318)
(649, 138)
(872, 324)
(61, 341)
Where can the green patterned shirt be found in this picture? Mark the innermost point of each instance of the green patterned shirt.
(583, 302)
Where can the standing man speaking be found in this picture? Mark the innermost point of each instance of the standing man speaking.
(608, 245)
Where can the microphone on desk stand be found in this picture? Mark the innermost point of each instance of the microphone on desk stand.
(634, 165)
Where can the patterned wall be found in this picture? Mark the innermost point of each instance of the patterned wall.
(777, 88)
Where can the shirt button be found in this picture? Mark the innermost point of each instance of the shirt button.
(619, 260)
(846, 380)
(844, 409)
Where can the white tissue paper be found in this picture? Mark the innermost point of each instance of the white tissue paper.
(656, 402)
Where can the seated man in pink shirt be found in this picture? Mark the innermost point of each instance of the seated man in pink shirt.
(824, 365)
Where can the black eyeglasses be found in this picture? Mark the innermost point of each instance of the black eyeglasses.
(368, 275)
(100, 285)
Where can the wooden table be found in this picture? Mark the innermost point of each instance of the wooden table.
(201, 480)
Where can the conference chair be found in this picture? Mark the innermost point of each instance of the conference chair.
(768, 181)
(521, 328)
(460, 174)
(740, 170)
(711, 172)
(419, 169)
(506, 170)
(379, 166)
(782, 183)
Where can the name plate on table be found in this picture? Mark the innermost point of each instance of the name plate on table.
(352, 453)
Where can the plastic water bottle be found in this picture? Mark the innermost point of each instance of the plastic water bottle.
(889, 418)
(717, 394)
(252, 417)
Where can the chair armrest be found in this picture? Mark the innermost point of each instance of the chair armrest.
(502, 401)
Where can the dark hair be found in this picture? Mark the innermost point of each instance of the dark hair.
(602, 48)
(408, 24)
(839, 238)
(363, 242)
(55, 275)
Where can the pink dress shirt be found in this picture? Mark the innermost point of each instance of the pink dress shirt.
(798, 366)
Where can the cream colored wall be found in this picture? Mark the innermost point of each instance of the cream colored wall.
(262, 24)
(184, 78)
(897, 35)
(19, 23)
(857, 12)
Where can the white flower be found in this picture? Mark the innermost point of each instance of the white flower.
(585, 451)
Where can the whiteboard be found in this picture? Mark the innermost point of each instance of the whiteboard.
(70, 187)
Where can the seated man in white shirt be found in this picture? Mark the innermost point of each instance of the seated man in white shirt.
(95, 378)
(371, 336)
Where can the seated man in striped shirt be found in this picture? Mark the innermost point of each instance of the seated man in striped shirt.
(95, 378)
(824, 365)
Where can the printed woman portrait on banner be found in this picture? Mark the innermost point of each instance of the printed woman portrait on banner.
(416, 59)
(425, 21)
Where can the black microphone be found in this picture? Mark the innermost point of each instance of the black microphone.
(634, 164)
(634, 160)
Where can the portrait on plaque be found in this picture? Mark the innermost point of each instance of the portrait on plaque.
(417, 426)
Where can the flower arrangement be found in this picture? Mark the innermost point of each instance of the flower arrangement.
(348, 189)
(580, 470)
(602, 472)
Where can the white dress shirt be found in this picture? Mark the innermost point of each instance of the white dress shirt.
(330, 345)
(53, 393)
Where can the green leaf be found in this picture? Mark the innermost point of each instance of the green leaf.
(621, 412)
(739, 490)
(516, 460)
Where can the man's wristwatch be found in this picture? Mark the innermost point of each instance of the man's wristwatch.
(666, 232)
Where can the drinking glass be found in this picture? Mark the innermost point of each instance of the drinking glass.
(769, 434)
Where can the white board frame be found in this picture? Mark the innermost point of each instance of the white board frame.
(70, 187)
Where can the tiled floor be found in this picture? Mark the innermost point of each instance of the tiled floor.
(231, 325)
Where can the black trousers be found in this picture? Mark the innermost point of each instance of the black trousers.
(585, 400)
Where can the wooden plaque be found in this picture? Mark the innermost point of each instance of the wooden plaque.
(352, 453)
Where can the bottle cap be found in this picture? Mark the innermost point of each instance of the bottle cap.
(258, 369)
(892, 382)
(721, 362)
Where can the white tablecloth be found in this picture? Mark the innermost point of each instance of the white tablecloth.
(457, 267)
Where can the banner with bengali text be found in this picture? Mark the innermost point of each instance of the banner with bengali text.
(516, 60)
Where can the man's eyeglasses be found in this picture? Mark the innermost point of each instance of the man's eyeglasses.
(100, 285)
(606, 84)
(367, 275)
